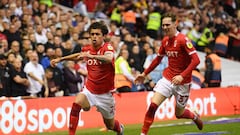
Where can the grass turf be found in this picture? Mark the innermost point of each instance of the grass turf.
(173, 127)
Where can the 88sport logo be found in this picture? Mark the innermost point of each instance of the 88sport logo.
(12, 116)
(16, 117)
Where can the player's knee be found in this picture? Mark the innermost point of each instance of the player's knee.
(86, 108)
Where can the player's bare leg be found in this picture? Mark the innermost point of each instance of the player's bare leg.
(157, 100)
(80, 102)
(114, 125)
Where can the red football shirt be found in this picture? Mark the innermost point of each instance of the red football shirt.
(100, 75)
(178, 50)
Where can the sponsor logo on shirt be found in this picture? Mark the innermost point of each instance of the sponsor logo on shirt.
(93, 62)
(172, 53)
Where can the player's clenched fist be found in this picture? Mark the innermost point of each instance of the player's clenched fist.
(54, 62)
(140, 78)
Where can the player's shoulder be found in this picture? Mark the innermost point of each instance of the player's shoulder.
(182, 37)
(108, 46)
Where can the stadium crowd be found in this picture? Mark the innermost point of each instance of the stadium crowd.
(34, 32)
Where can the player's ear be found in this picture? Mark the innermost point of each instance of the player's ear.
(176, 23)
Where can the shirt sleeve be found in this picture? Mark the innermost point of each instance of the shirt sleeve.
(126, 72)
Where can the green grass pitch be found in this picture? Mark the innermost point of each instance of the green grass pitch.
(173, 127)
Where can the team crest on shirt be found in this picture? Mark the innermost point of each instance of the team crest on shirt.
(189, 45)
(110, 47)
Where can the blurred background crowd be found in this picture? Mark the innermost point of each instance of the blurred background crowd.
(33, 32)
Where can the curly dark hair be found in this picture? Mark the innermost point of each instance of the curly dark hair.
(99, 25)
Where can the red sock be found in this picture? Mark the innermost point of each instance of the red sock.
(186, 114)
(149, 117)
(117, 126)
(74, 117)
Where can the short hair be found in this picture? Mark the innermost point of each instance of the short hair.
(170, 15)
(49, 69)
(99, 25)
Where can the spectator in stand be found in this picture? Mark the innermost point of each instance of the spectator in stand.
(65, 32)
(91, 5)
(194, 34)
(135, 59)
(143, 51)
(68, 47)
(13, 34)
(212, 75)
(58, 42)
(40, 49)
(116, 14)
(27, 56)
(4, 77)
(129, 19)
(19, 80)
(234, 34)
(221, 43)
(35, 8)
(72, 78)
(45, 61)
(40, 34)
(59, 54)
(207, 38)
(81, 8)
(129, 41)
(123, 73)
(76, 42)
(114, 30)
(15, 48)
(100, 11)
(154, 22)
(10, 58)
(50, 42)
(26, 45)
(36, 76)
(54, 89)
(33, 40)
(4, 44)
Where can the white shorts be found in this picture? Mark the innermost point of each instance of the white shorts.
(105, 103)
(167, 89)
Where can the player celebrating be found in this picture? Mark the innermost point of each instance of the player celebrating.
(176, 79)
(100, 81)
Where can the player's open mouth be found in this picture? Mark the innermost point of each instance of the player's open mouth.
(166, 31)
(94, 41)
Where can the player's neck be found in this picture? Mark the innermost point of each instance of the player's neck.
(173, 35)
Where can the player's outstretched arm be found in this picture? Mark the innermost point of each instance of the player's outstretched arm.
(68, 57)
(106, 57)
